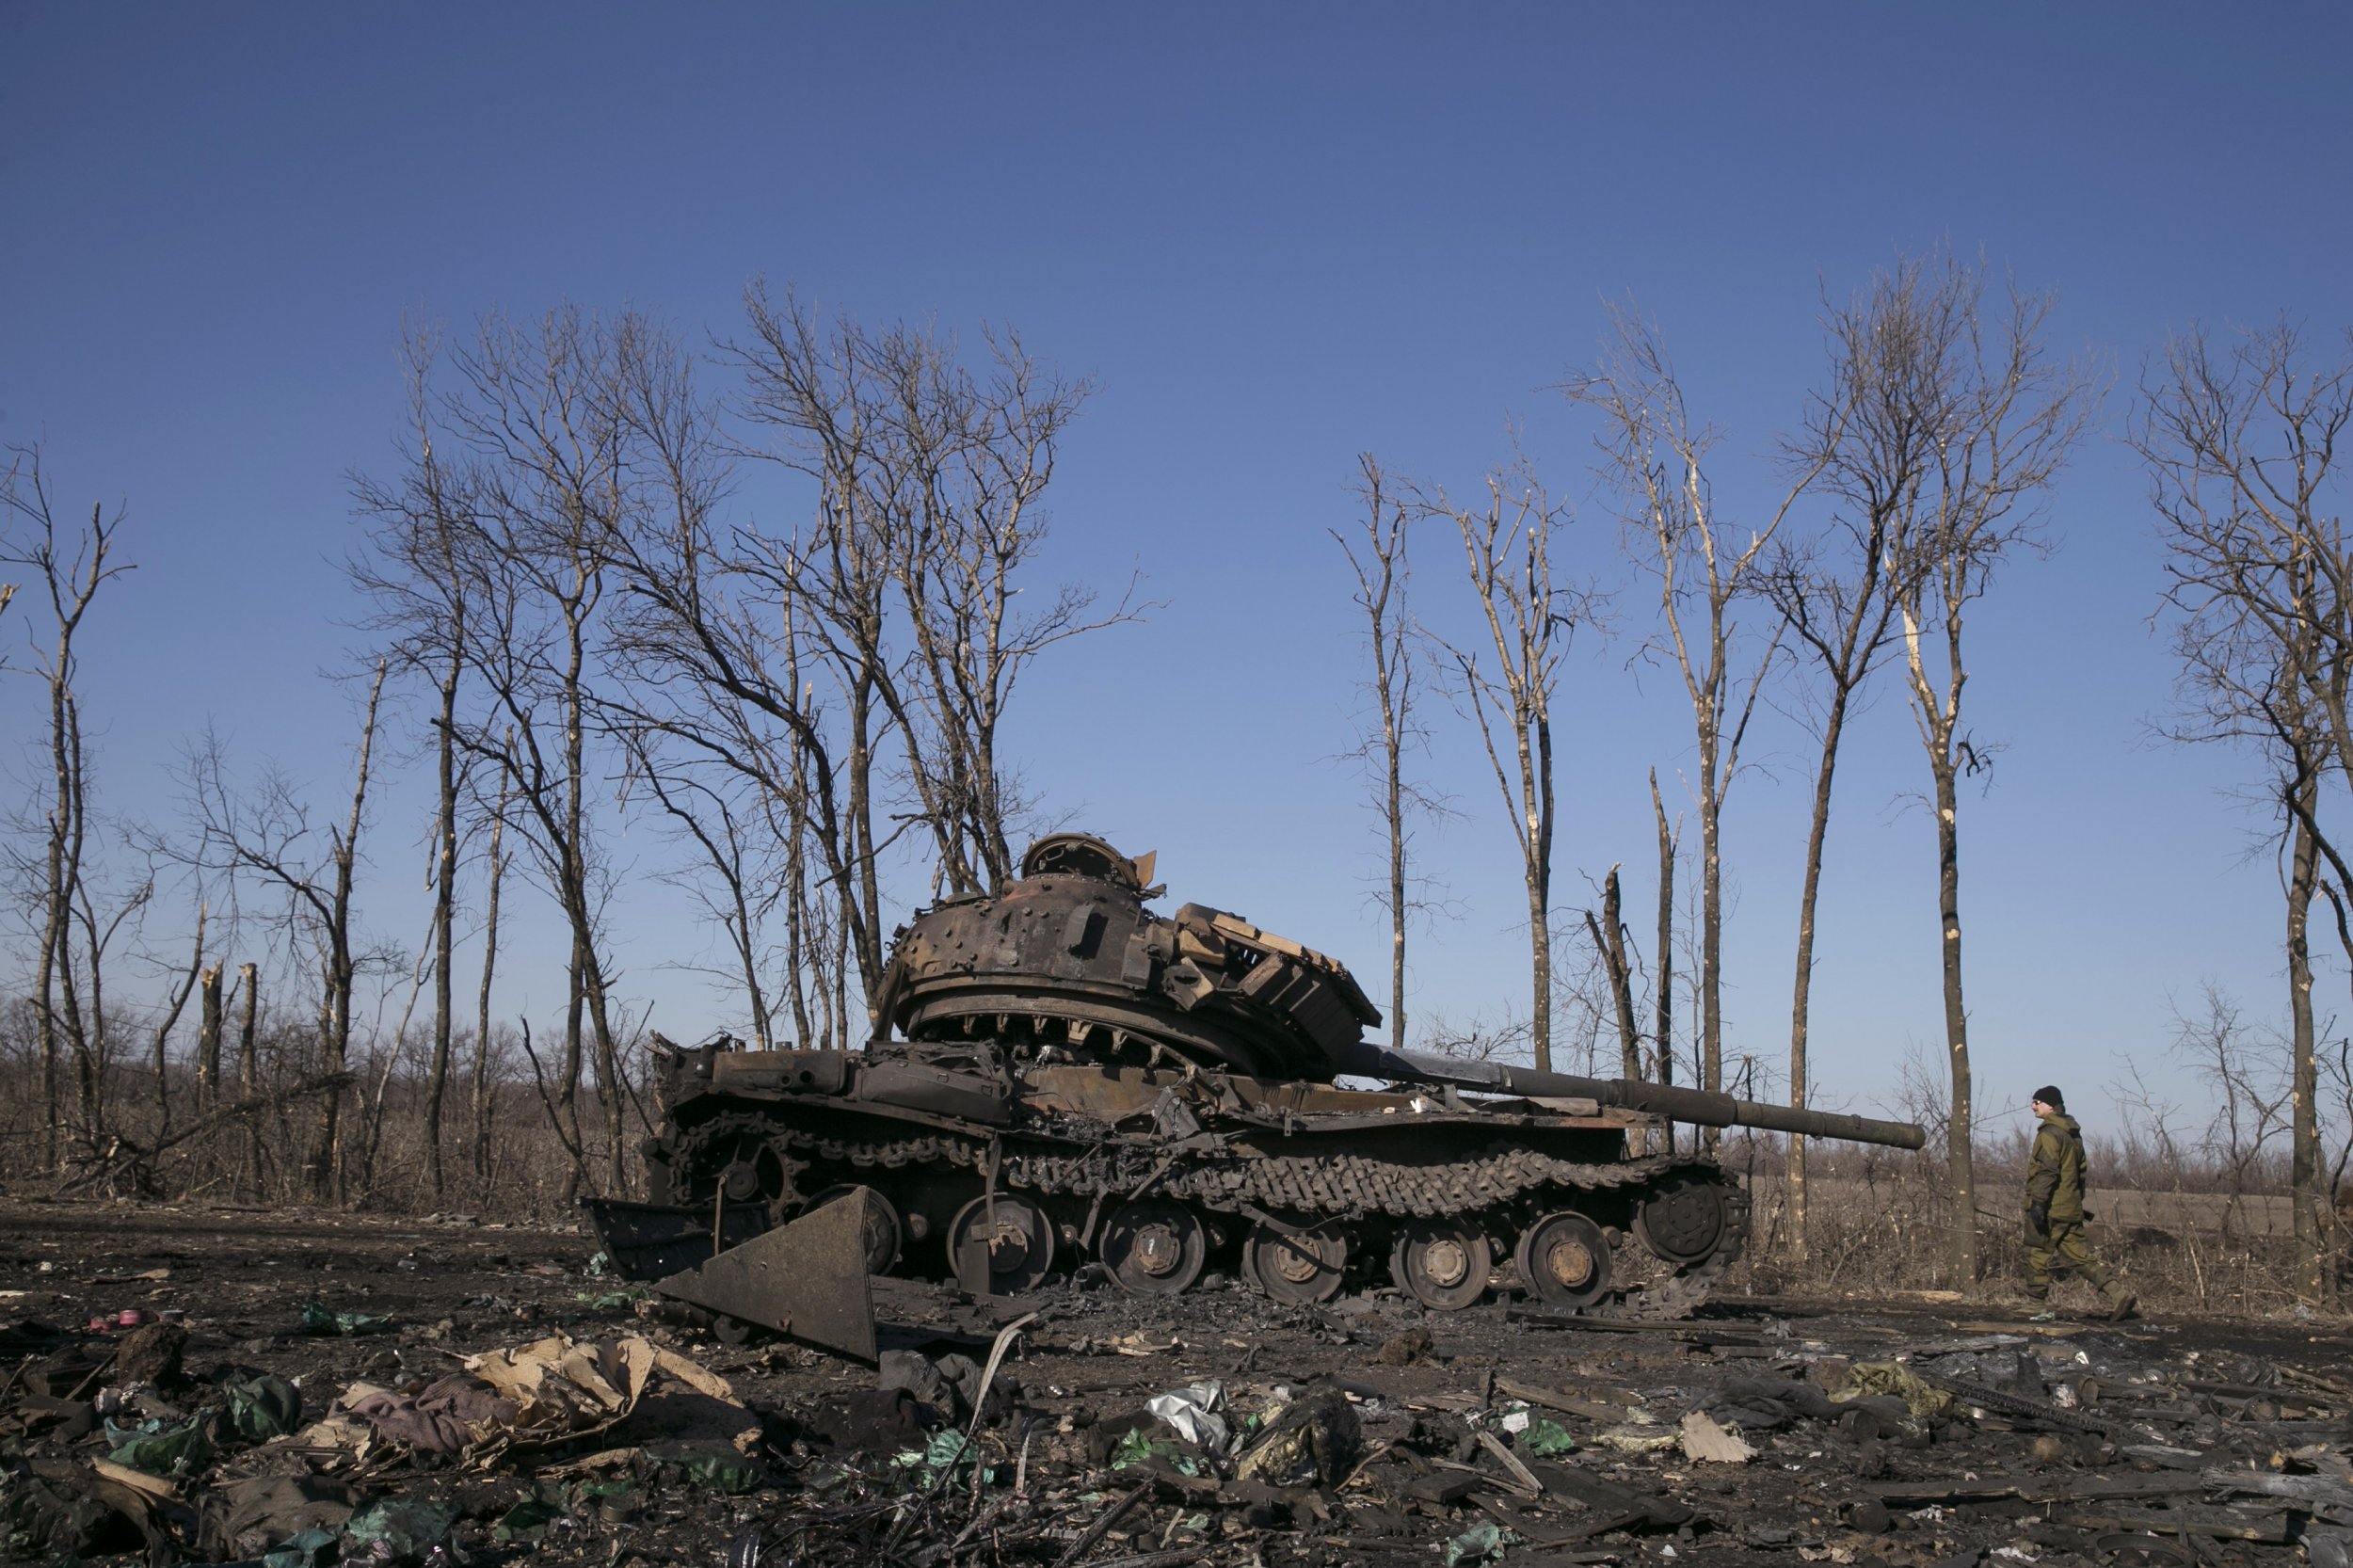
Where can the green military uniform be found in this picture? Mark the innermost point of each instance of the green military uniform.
(2055, 1212)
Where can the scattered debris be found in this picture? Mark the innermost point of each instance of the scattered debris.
(1705, 1443)
(318, 1319)
(500, 1416)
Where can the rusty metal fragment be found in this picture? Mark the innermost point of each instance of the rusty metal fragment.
(807, 1281)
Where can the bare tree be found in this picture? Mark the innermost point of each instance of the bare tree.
(2241, 443)
(1608, 930)
(176, 1002)
(901, 594)
(706, 813)
(931, 483)
(1655, 454)
(559, 473)
(69, 565)
(419, 568)
(2007, 415)
(270, 836)
(962, 476)
(1870, 436)
(2249, 1097)
(1377, 557)
(1530, 618)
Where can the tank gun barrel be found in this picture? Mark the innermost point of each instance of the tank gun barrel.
(1700, 1107)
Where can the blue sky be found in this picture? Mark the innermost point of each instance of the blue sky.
(1278, 236)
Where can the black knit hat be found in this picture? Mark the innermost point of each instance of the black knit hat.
(2052, 1097)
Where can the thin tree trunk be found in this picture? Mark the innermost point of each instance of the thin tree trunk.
(56, 912)
(1666, 997)
(208, 1037)
(2304, 1161)
(1395, 805)
(163, 1033)
(1960, 1149)
(248, 1075)
(342, 966)
(615, 1092)
(1608, 933)
(567, 1107)
(1666, 1059)
(444, 915)
(796, 942)
(67, 881)
(482, 1019)
(1542, 892)
(1801, 990)
(1711, 926)
(869, 894)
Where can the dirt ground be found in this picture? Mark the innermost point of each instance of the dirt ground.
(1905, 1433)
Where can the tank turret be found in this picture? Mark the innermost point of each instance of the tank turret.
(1069, 957)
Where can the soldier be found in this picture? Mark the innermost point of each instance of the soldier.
(2055, 1206)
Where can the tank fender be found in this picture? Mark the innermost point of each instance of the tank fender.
(792, 1072)
(936, 1090)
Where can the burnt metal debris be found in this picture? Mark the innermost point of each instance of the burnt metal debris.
(808, 1280)
(1077, 1078)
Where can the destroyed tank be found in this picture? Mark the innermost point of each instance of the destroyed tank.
(1078, 1080)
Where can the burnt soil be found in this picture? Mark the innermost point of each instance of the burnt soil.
(1492, 1434)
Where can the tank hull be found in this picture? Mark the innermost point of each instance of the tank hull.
(1003, 1175)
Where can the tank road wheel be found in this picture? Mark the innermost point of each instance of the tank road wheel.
(1154, 1247)
(1683, 1220)
(1564, 1258)
(1007, 1259)
(1297, 1270)
(1441, 1263)
(881, 1224)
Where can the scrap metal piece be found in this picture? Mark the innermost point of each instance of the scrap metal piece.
(2013, 1405)
(807, 1280)
(648, 1241)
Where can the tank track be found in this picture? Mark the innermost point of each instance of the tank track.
(1335, 1184)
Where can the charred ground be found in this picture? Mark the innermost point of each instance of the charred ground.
(1376, 1432)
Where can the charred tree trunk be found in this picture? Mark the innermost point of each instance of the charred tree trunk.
(1608, 933)
(208, 1037)
(249, 1074)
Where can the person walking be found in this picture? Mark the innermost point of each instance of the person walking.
(2055, 1207)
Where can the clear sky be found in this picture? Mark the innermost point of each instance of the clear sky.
(1279, 236)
